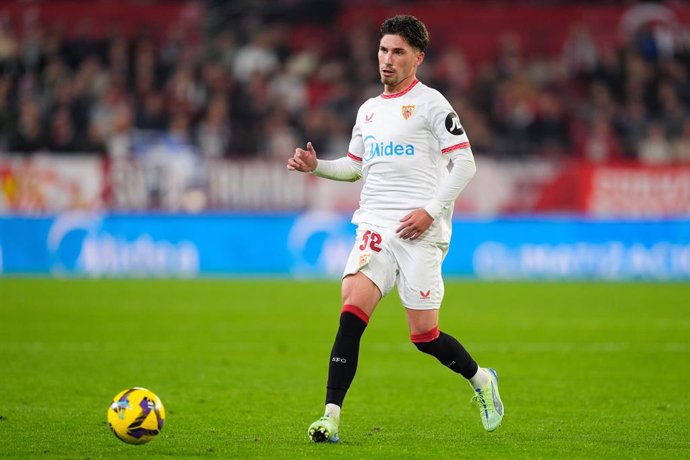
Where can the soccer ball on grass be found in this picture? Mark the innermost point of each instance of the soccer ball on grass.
(136, 415)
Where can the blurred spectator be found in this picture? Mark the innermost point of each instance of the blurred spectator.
(28, 136)
(151, 114)
(359, 40)
(171, 165)
(251, 106)
(580, 54)
(55, 74)
(92, 77)
(510, 59)
(550, 129)
(317, 130)
(672, 112)
(681, 146)
(119, 143)
(609, 71)
(6, 119)
(62, 136)
(477, 127)
(645, 42)
(214, 80)
(173, 49)
(34, 44)
(213, 133)
(599, 103)
(289, 89)
(631, 124)
(118, 56)
(339, 138)
(279, 137)
(222, 49)
(256, 56)
(183, 92)
(105, 110)
(655, 148)
(146, 69)
(599, 144)
(8, 46)
(453, 70)
(514, 111)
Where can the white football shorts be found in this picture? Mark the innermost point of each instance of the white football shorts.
(388, 260)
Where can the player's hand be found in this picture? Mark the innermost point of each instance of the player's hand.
(303, 160)
(414, 224)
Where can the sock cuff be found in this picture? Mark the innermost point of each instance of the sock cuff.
(427, 336)
(358, 312)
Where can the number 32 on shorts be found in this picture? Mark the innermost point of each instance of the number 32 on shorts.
(371, 239)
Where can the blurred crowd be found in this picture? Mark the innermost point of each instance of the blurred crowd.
(254, 86)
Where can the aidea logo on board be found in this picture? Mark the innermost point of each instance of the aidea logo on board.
(82, 242)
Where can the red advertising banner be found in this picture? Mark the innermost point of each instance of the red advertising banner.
(45, 183)
(639, 191)
(618, 190)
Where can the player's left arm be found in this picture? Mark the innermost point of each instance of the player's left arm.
(415, 223)
(460, 175)
(446, 128)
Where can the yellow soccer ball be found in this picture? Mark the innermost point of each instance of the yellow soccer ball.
(136, 415)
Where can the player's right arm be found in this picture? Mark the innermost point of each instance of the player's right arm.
(303, 160)
(347, 168)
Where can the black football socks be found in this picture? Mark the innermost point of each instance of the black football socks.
(447, 350)
(345, 352)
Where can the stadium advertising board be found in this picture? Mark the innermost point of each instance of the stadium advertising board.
(316, 245)
(560, 248)
(49, 184)
(618, 190)
(636, 191)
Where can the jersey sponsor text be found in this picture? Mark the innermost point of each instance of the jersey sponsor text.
(379, 149)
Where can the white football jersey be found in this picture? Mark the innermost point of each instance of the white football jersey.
(404, 142)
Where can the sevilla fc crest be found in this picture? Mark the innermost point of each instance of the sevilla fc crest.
(407, 111)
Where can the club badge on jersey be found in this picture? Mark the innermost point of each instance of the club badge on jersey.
(407, 111)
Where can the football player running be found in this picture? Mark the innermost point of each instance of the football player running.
(402, 143)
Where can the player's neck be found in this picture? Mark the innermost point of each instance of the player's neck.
(400, 87)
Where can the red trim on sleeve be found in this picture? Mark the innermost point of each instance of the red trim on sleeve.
(354, 157)
(401, 93)
(428, 336)
(462, 145)
(358, 312)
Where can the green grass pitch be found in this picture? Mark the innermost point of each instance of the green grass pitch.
(588, 370)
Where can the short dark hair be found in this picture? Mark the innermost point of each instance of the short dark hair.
(408, 27)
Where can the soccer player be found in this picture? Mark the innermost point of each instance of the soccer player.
(401, 145)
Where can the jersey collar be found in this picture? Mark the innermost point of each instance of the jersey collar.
(401, 93)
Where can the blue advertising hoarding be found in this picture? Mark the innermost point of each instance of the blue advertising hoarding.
(316, 245)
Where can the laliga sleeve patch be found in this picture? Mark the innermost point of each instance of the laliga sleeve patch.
(453, 125)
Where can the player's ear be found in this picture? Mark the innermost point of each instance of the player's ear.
(420, 57)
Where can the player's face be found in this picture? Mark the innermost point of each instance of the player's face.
(398, 62)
